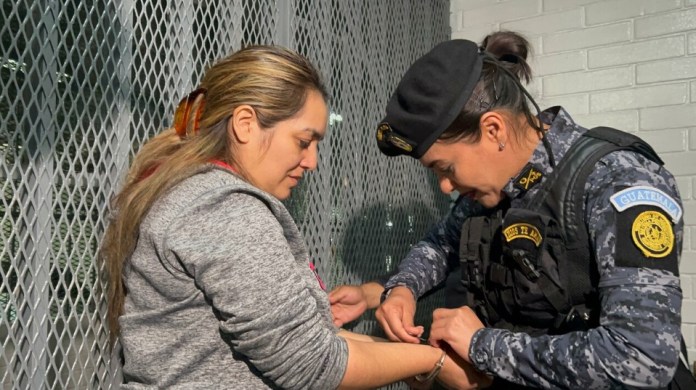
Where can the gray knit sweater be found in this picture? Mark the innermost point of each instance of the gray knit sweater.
(220, 295)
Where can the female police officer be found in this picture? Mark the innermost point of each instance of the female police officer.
(568, 240)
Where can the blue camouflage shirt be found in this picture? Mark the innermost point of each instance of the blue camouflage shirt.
(638, 339)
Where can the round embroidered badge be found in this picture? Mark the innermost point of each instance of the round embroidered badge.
(652, 233)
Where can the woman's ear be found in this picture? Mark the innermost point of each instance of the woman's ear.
(494, 128)
(242, 124)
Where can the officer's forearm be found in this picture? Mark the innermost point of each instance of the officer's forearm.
(635, 346)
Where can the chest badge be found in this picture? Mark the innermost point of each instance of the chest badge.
(528, 178)
(524, 231)
(653, 235)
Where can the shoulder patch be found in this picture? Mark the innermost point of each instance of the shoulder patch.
(646, 196)
(645, 238)
(652, 233)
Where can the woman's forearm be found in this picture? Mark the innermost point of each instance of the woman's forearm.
(374, 364)
(372, 292)
(360, 337)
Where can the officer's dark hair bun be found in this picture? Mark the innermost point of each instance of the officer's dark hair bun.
(512, 50)
(504, 69)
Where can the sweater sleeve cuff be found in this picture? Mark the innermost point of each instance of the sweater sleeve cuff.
(482, 347)
(334, 375)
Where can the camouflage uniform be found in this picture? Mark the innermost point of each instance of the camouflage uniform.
(638, 339)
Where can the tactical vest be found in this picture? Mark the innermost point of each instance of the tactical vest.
(530, 268)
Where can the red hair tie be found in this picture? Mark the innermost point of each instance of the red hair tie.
(183, 112)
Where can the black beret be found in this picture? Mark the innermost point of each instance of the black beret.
(429, 98)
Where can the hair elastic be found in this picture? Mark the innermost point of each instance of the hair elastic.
(182, 115)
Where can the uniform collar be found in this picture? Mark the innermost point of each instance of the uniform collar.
(561, 134)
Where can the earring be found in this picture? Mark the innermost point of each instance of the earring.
(501, 146)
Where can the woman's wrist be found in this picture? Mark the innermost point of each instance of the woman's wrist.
(434, 372)
(371, 292)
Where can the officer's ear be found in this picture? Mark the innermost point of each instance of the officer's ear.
(494, 128)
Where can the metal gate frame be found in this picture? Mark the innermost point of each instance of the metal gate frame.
(84, 84)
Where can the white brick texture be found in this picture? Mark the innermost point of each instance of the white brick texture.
(560, 63)
(666, 24)
(666, 70)
(652, 96)
(687, 288)
(688, 259)
(548, 23)
(629, 64)
(685, 187)
(559, 84)
(557, 5)
(668, 117)
(630, 53)
(517, 9)
(577, 104)
(613, 10)
(666, 141)
(619, 119)
(588, 37)
(689, 210)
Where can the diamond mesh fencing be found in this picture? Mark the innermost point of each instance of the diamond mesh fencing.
(83, 84)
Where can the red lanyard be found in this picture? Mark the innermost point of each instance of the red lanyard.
(224, 165)
(314, 270)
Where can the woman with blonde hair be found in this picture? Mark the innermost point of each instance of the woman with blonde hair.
(210, 283)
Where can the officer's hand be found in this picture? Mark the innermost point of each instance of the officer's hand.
(455, 327)
(458, 374)
(347, 304)
(396, 313)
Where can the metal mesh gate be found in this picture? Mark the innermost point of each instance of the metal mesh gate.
(84, 83)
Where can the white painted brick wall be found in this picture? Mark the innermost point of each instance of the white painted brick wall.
(588, 37)
(614, 10)
(656, 118)
(559, 84)
(629, 64)
(666, 141)
(692, 43)
(666, 23)
(672, 69)
(652, 96)
(620, 119)
(561, 63)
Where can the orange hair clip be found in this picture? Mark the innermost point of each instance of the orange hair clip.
(183, 112)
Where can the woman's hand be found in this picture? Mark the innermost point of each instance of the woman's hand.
(454, 328)
(347, 304)
(350, 302)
